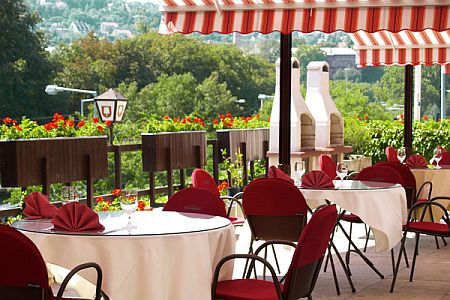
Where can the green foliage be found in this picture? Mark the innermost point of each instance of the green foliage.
(25, 68)
(229, 122)
(234, 168)
(372, 137)
(167, 124)
(305, 55)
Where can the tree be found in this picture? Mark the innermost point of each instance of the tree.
(305, 55)
(25, 68)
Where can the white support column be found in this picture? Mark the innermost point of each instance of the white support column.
(417, 91)
(443, 106)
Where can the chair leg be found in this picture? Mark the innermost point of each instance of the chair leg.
(333, 270)
(411, 275)
(406, 257)
(437, 242)
(444, 241)
(276, 259)
(367, 237)
(328, 257)
(393, 260)
(346, 271)
(397, 266)
(347, 255)
(264, 267)
(250, 251)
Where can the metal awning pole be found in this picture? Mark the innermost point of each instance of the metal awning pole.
(408, 137)
(285, 103)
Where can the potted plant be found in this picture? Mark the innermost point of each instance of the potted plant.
(57, 152)
(172, 143)
(235, 172)
(234, 132)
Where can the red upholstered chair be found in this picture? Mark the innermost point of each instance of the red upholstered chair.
(275, 210)
(202, 179)
(419, 226)
(391, 154)
(301, 275)
(274, 172)
(24, 273)
(328, 165)
(196, 200)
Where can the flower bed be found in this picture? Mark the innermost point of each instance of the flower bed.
(173, 144)
(32, 154)
(232, 132)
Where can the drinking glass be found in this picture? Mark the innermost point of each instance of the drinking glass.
(129, 204)
(401, 154)
(341, 171)
(438, 156)
(299, 171)
(69, 194)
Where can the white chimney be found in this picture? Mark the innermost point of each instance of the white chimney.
(302, 121)
(329, 122)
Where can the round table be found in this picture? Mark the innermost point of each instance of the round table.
(167, 255)
(380, 205)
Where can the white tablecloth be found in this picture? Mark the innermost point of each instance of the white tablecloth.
(148, 264)
(440, 179)
(384, 210)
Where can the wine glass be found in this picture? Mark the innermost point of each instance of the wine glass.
(300, 171)
(69, 194)
(438, 156)
(401, 154)
(341, 171)
(129, 204)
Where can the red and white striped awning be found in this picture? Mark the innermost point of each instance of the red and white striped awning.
(403, 48)
(286, 16)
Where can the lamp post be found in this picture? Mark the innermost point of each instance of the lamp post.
(263, 97)
(111, 107)
(54, 89)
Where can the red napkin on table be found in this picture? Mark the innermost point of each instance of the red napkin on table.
(37, 206)
(76, 217)
(317, 179)
(416, 161)
(274, 172)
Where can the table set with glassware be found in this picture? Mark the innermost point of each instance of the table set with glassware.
(143, 254)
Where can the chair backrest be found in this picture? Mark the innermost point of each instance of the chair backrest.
(308, 255)
(24, 271)
(391, 154)
(204, 180)
(380, 174)
(196, 200)
(274, 172)
(275, 209)
(445, 160)
(409, 181)
(328, 165)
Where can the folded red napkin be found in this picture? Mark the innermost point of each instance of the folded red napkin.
(274, 172)
(37, 206)
(317, 179)
(416, 161)
(76, 217)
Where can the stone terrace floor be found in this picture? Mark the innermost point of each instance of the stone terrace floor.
(431, 278)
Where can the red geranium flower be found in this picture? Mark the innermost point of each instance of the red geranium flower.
(80, 124)
(166, 118)
(70, 123)
(108, 123)
(7, 120)
(95, 119)
(57, 117)
(100, 128)
(48, 126)
(141, 205)
(366, 117)
(175, 119)
(229, 115)
(215, 122)
(18, 127)
(117, 192)
(222, 117)
(425, 118)
(99, 199)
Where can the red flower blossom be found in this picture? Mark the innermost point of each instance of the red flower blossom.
(248, 119)
(425, 118)
(166, 118)
(223, 185)
(222, 117)
(57, 117)
(48, 126)
(117, 192)
(215, 122)
(108, 202)
(175, 119)
(7, 120)
(95, 119)
(108, 123)
(14, 122)
(229, 115)
(99, 199)
(141, 205)
(18, 127)
(366, 117)
(70, 123)
(402, 116)
(100, 128)
(80, 124)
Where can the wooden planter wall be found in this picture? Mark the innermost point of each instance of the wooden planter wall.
(253, 144)
(168, 151)
(53, 160)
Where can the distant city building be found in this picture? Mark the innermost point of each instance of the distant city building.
(107, 28)
(340, 58)
(122, 33)
(79, 27)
